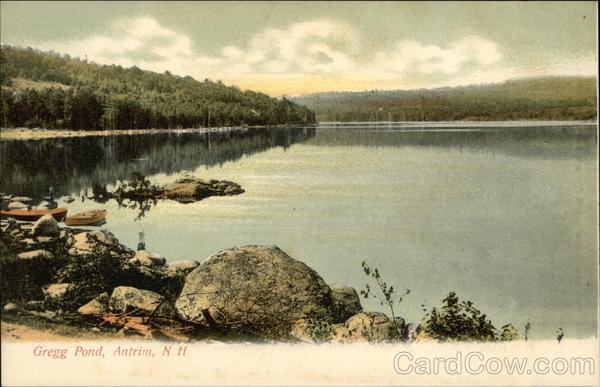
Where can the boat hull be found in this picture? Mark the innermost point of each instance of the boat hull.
(32, 215)
(86, 218)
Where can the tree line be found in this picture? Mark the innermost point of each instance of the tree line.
(547, 98)
(69, 93)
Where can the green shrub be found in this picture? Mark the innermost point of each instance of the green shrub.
(22, 279)
(461, 321)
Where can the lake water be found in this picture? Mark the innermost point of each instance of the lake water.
(504, 214)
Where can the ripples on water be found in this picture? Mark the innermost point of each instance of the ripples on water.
(502, 213)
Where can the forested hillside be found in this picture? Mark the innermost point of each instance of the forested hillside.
(558, 98)
(55, 91)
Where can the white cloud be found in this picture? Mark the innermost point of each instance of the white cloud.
(410, 56)
(318, 47)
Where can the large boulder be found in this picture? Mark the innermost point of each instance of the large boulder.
(346, 302)
(126, 299)
(46, 226)
(146, 258)
(256, 285)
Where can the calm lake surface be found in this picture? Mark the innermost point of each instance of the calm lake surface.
(504, 214)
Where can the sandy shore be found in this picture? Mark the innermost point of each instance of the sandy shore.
(33, 134)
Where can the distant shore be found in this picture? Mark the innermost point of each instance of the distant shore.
(36, 134)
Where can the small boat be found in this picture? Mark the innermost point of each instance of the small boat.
(31, 215)
(86, 218)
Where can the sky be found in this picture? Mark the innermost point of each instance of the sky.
(292, 48)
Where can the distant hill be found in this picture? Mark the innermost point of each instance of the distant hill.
(549, 98)
(56, 91)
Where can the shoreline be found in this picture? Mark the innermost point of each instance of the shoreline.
(10, 134)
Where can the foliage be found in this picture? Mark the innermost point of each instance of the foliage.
(102, 271)
(319, 329)
(389, 297)
(17, 282)
(22, 280)
(461, 321)
(53, 91)
(138, 186)
(549, 98)
(508, 333)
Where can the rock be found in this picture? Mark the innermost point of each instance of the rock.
(233, 190)
(186, 191)
(23, 199)
(44, 239)
(17, 206)
(190, 189)
(69, 199)
(423, 337)
(341, 334)
(369, 326)
(11, 307)
(300, 331)
(83, 245)
(46, 226)
(35, 305)
(125, 299)
(36, 254)
(315, 331)
(346, 302)
(98, 305)
(155, 278)
(29, 243)
(56, 290)
(183, 267)
(145, 258)
(256, 284)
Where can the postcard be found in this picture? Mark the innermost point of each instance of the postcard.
(302, 193)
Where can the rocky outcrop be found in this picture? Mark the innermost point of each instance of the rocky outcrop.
(46, 226)
(253, 284)
(346, 302)
(192, 189)
(87, 242)
(367, 326)
(125, 299)
(183, 267)
(184, 190)
(146, 258)
(362, 327)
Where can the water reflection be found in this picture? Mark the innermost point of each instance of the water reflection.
(524, 140)
(74, 165)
